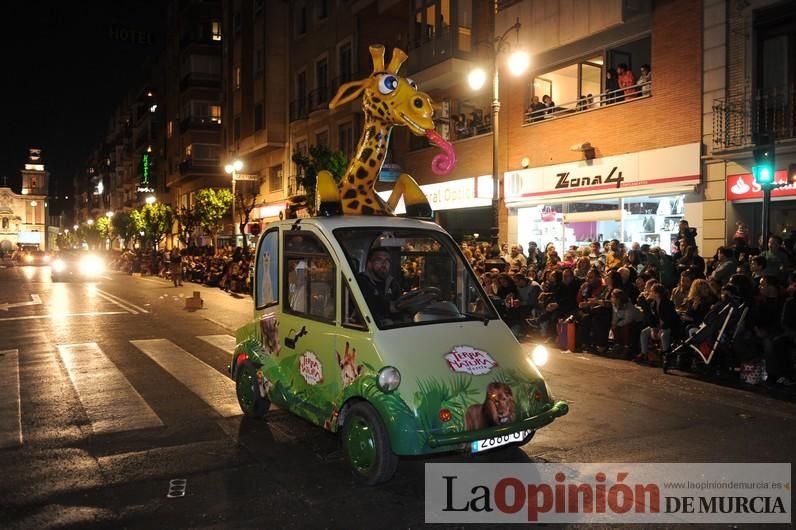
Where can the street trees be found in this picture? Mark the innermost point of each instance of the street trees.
(187, 223)
(319, 157)
(124, 227)
(105, 230)
(245, 199)
(211, 206)
(154, 220)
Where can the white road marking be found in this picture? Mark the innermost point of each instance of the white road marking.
(212, 387)
(10, 407)
(111, 300)
(222, 342)
(123, 301)
(63, 315)
(110, 401)
(34, 300)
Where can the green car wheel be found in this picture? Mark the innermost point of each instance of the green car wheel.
(251, 402)
(367, 445)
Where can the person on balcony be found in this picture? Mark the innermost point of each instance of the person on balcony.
(626, 80)
(612, 93)
(645, 80)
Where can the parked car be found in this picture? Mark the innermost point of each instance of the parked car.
(76, 265)
(427, 368)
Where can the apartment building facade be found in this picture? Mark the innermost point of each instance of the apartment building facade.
(749, 92)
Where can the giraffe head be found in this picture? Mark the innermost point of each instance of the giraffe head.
(394, 100)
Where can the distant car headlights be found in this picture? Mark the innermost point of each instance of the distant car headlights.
(91, 266)
(389, 379)
(28, 259)
(46, 258)
(58, 265)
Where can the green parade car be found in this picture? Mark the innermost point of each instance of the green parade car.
(377, 328)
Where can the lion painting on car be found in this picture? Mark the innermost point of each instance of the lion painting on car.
(497, 409)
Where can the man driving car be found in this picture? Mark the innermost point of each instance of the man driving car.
(378, 286)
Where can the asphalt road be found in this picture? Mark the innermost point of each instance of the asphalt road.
(122, 390)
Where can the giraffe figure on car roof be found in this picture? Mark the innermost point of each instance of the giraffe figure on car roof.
(387, 100)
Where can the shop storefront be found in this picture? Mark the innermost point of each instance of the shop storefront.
(463, 207)
(635, 198)
(746, 197)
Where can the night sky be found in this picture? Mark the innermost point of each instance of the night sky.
(67, 68)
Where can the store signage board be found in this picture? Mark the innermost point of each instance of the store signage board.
(744, 188)
(454, 194)
(611, 175)
(245, 176)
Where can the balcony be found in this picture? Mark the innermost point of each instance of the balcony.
(203, 123)
(299, 108)
(739, 120)
(294, 189)
(316, 100)
(197, 80)
(189, 166)
(538, 113)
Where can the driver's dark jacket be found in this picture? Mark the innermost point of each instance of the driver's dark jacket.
(378, 294)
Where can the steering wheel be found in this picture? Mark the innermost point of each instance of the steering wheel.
(416, 299)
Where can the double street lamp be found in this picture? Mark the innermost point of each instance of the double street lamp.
(233, 169)
(518, 62)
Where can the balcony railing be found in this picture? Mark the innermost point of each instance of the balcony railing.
(540, 113)
(191, 166)
(739, 120)
(317, 99)
(206, 123)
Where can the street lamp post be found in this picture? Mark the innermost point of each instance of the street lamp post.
(518, 62)
(233, 169)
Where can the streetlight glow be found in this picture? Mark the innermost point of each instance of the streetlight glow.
(476, 78)
(75, 227)
(90, 222)
(108, 214)
(150, 199)
(518, 62)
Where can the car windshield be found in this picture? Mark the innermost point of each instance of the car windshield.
(412, 277)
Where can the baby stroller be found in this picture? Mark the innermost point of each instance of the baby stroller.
(712, 348)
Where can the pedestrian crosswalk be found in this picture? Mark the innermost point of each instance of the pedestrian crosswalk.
(108, 399)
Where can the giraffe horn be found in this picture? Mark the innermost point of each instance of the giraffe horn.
(377, 52)
(398, 58)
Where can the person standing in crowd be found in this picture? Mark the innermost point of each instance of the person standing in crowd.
(535, 256)
(175, 268)
(776, 259)
(687, 233)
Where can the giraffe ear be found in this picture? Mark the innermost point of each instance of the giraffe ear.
(348, 92)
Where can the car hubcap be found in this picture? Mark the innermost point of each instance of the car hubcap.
(361, 445)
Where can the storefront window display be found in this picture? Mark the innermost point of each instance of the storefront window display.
(644, 220)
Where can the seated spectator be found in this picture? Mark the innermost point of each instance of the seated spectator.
(680, 293)
(698, 303)
(692, 261)
(549, 104)
(594, 311)
(726, 265)
(665, 324)
(625, 318)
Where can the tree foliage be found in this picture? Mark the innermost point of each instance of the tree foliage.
(320, 157)
(245, 199)
(124, 227)
(156, 221)
(104, 228)
(211, 207)
(187, 223)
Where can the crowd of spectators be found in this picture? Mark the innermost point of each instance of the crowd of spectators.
(226, 268)
(635, 302)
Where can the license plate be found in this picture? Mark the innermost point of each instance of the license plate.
(491, 443)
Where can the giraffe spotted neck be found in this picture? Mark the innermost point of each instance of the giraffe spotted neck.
(356, 188)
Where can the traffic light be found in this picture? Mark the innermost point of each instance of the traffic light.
(763, 170)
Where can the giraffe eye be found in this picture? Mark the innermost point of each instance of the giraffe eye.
(411, 83)
(388, 84)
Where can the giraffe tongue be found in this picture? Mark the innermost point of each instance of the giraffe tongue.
(443, 163)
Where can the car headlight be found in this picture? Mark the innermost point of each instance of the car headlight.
(539, 355)
(58, 265)
(91, 266)
(389, 379)
(46, 259)
(28, 259)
